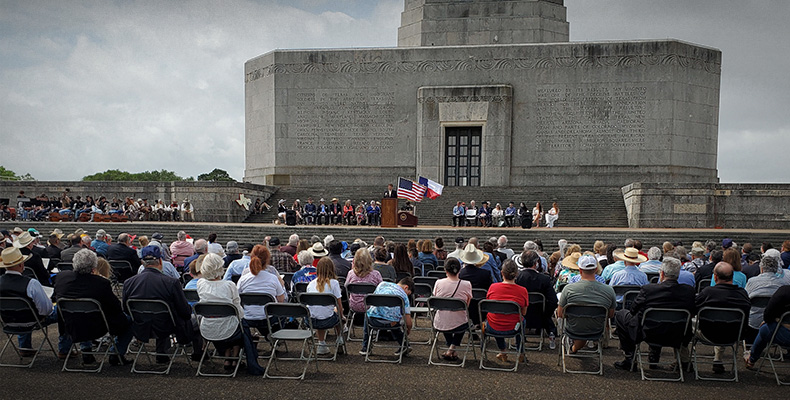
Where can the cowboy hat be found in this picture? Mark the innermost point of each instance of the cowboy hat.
(472, 255)
(571, 260)
(23, 240)
(318, 250)
(57, 233)
(12, 257)
(630, 254)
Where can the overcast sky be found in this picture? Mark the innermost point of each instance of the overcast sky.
(87, 86)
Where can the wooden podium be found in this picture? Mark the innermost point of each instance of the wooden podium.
(389, 213)
(406, 218)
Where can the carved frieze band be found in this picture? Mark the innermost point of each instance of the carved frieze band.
(380, 67)
(462, 99)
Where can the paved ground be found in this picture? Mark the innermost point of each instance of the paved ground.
(351, 376)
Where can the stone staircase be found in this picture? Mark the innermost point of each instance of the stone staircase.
(579, 207)
(254, 233)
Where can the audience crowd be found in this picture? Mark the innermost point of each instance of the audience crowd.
(706, 274)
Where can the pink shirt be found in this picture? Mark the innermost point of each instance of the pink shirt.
(356, 302)
(449, 320)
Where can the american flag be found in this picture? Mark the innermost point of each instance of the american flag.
(409, 190)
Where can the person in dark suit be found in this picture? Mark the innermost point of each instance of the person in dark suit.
(335, 212)
(152, 284)
(82, 283)
(53, 250)
(123, 251)
(536, 282)
(24, 242)
(391, 193)
(706, 271)
(668, 293)
(726, 295)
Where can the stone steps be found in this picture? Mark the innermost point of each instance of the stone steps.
(580, 207)
(254, 233)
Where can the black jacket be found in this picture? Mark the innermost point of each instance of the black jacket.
(153, 284)
(37, 265)
(536, 282)
(119, 251)
(667, 294)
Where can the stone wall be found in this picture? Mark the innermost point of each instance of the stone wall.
(213, 201)
(728, 206)
(572, 114)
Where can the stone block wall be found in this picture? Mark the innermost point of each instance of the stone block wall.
(213, 201)
(728, 206)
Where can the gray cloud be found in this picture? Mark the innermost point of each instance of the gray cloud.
(87, 86)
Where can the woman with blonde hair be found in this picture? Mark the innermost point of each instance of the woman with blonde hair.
(552, 215)
(325, 317)
(537, 214)
(348, 213)
(103, 268)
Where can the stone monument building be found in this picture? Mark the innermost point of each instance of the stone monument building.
(485, 93)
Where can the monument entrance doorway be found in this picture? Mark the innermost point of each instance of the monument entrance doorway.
(462, 155)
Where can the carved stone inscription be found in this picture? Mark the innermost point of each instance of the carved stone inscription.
(344, 119)
(590, 116)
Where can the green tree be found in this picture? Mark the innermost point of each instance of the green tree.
(8, 175)
(217, 175)
(148, 176)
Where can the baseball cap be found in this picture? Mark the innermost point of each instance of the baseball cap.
(157, 236)
(726, 243)
(459, 240)
(151, 253)
(275, 241)
(587, 262)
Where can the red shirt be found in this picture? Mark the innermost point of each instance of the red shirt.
(506, 292)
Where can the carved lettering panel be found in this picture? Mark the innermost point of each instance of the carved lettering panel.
(344, 119)
(590, 116)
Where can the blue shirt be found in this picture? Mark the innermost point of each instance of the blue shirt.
(100, 246)
(629, 275)
(738, 279)
(306, 274)
(189, 260)
(309, 208)
(390, 313)
(458, 211)
(611, 269)
(510, 211)
(576, 278)
(428, 258)
(686, 278)
(236, 267)
(651, 266)
(491, 266)
(167, 268)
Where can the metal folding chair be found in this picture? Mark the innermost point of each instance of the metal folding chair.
(363, 289)
(261, 300)
(717, 326)
(759, 302)
(217, 310)
(324, 299)
(437, 274)
(385, 300)
(501, 307)
(121, 270)
(28, 272)
(304, 333)
(598, 314)
(620, 291)
(17, 316)
(449, 304)
(64, 266)
(535, 310)
(145, 311)
(702, 284)
(422, 291)
(191, 295)
(672, 325)
(299, 287)
(773, 351)
(287, 278)
(70, 308)
(430, 280)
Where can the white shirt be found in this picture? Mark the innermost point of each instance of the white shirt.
(261, 283)
(167, 269)
(323, 312)
(222, 292)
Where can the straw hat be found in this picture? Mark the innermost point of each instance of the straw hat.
(472, 255)
(571, 261)
(318, 250)
(12, 257)
(630, 254)
(23, 240)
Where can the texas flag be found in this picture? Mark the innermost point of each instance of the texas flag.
(434, 189)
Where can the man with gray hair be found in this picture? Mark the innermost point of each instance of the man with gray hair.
(668, 293)
(765, 284)
(653, 263)
(501, 243)
(290, 248)
(181, 249)
(530, 245)
(460, 243)
(100, 243)
(82, 283)
(122, 251)
(201, 246)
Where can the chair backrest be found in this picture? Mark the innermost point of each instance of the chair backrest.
(665, 327)
(721, 326)
(401, 275)
(87, 308)
(287, 278)
(121, 269)
(215, 310)
(385, 300)
(702, 284)
(561, 287)
(317, 299)
(479, 293)
(499, 307)
(186, 277)
(235, 278)
(417, 271)
(628, 298)
(437, 274)
(65, 266)
(651, 276)
(17, 310)
(423, 290)
(28, 272)
(537, 302)
(120, 264)
(144, 310)
(191, 294)
(760, 301)
(620, 290)
(430, 280)
(256, 299)
(446, 304)
(287, 310)
(300, 287)
(360, 288)
(596, 314)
